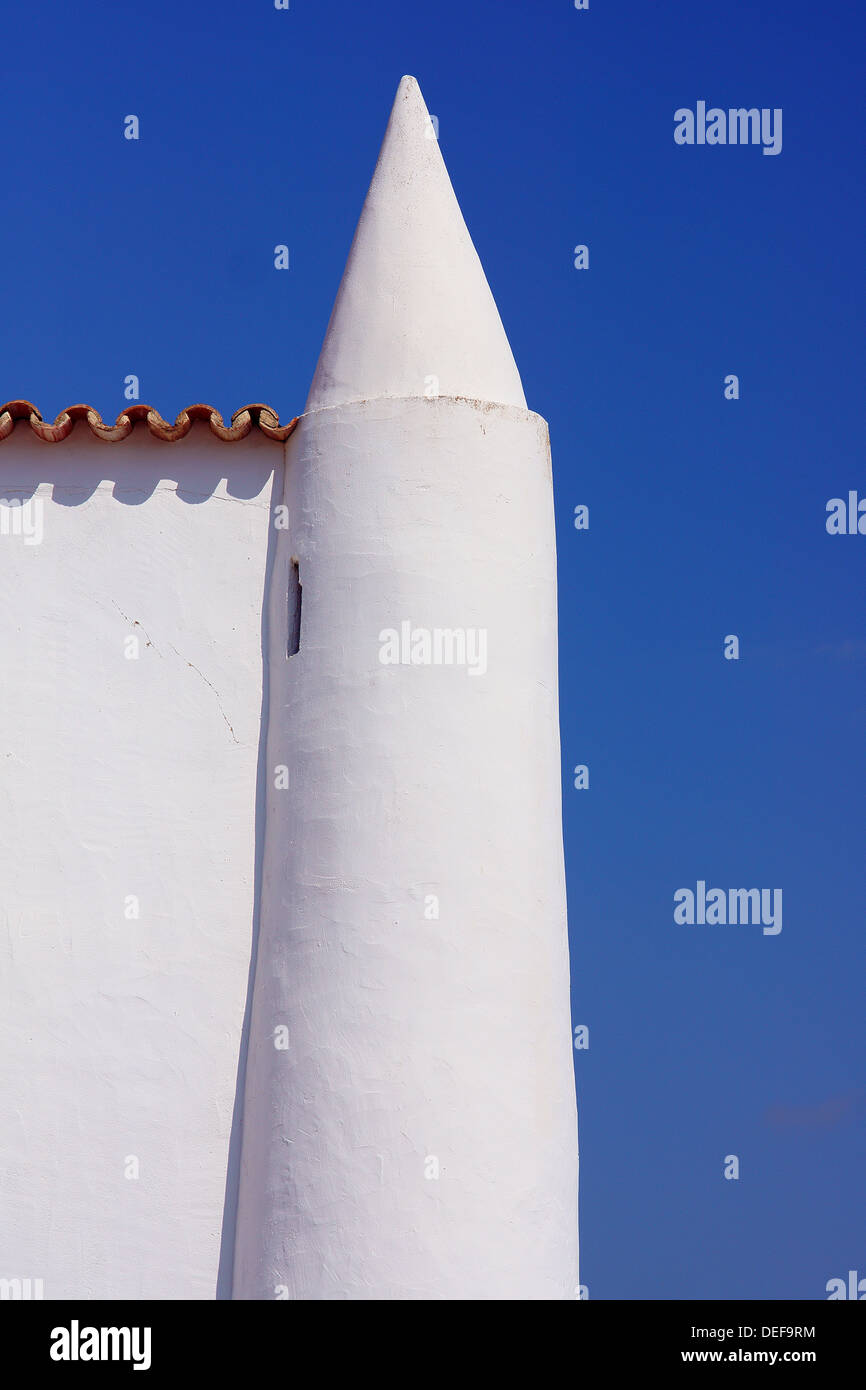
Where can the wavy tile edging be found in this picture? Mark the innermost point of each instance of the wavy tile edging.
(249, 417)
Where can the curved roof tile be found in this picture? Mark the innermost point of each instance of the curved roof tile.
(247, 418)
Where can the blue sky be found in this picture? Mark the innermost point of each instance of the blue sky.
(155, 257)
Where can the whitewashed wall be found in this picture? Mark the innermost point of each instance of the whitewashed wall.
(410, 1128)
(120, 1038)
(413, 1043)
(417, 1137)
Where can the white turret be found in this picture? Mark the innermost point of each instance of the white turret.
(409, 1125)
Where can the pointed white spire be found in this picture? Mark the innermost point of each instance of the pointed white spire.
(414, 315)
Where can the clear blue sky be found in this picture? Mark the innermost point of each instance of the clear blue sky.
(707, 516)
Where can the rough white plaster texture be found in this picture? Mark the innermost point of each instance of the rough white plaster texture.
(413, 1039)
(417, 1139)
(414, 313)
(119, 1036)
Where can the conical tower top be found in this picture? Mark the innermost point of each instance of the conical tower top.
(414, 314)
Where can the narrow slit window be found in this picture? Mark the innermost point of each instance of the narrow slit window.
(294, 599)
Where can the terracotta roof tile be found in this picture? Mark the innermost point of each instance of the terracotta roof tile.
(247, 418)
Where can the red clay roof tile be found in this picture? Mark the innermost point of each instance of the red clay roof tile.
(248, 417)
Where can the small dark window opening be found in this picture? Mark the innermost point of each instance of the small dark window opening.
(294, 601)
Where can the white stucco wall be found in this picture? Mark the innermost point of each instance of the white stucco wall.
(125, 777)
(413, 1039)
(409, 1126)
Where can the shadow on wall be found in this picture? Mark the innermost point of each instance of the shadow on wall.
(77, 466)
(230, 1204)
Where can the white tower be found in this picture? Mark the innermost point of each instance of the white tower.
(409, 1123)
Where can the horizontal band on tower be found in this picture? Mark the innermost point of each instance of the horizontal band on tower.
(249, 417)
